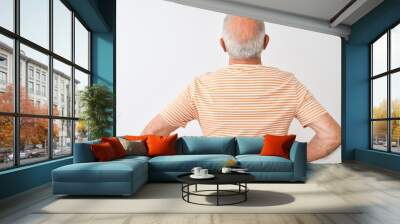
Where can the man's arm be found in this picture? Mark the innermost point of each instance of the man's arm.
(158, 126)
(327, 137)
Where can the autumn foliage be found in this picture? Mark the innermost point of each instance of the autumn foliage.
(380, 127)
(33, 131)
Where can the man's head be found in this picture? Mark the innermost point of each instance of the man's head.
(243, 38)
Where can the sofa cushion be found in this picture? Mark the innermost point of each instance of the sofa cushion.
(257, 163)
(135, 147)
(195, 145)
(111, 171)
(161, 145)
(185, 163)
(249, 145)
(277, 145)
(116, 145)
(103, 152)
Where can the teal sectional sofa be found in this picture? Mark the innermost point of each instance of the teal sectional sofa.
(125, 176)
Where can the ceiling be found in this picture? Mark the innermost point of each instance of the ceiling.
(326, 16)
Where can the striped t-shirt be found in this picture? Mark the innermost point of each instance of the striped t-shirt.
(244, 100)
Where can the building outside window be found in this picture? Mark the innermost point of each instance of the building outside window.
(37, 75)
(44, 77)
(30, 72)
(38, 89)
(3, 61)
(3, 78)
(3, 72)
(43, 90)
(34, 75)
(30, 87)
(385, 91)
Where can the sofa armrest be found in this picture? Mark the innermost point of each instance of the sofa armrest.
(83, 152)
(298, 155)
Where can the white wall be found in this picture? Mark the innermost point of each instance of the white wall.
(161, 46)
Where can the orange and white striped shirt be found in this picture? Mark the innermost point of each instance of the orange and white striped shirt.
(244, 100)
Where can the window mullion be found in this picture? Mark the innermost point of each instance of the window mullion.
(371, 141)
(73, 82)
(16, 84)
(389, 104)
(50, 81)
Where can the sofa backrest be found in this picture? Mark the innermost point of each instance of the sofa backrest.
(83, 152)
(249, 145)
(192, 145)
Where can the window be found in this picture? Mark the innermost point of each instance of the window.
(44, 91)
(6, 142)
(62, 29)
(34, 21)
(38, 74)
(6, 72)
(81, 45)
(62, 137)
(3, 61)
(30, 72)
(62, 74)
(46, 124)
(385, 91)
(30, 87)
(7, 14)
(81, 81)
(3, 78)
(37, 89)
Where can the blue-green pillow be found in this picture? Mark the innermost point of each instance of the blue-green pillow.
(194, 145)
(249, 145)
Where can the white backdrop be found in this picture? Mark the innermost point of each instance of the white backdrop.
(162, 46)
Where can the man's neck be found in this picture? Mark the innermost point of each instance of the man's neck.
(250, 61)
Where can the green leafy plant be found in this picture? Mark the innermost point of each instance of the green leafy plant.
(96, 102)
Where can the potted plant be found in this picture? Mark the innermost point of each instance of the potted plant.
(96, 102)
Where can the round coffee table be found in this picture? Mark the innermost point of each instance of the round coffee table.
(238, 179)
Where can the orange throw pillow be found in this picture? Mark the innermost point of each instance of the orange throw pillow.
(161, 145)
(103, 152)
(116, 145)
(275, 145)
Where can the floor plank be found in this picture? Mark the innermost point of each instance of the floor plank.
(377, 189)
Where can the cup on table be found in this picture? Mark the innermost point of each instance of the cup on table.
(196, 171)
(226, 170)
(203, 172)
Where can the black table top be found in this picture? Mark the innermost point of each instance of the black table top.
(220, 178)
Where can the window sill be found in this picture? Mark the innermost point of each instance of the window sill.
(25, 167)
(381, 159)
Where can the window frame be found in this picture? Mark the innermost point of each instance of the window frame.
(388, 74)
(16, 115)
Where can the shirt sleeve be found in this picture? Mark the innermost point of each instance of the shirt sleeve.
(181, 110)
(308, 108)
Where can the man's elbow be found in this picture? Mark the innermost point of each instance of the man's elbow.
(334, 139)
(337, 139)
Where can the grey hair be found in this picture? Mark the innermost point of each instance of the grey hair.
(250, 48)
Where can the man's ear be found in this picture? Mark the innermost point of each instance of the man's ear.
(266, 41)
(222, 43)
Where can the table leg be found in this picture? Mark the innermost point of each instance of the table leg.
(195, 188)
(217, 194)
(245, 193)
(188, 190)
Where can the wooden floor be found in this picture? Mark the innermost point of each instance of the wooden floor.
(379, 189)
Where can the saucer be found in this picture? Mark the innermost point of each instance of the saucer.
(208, 176)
